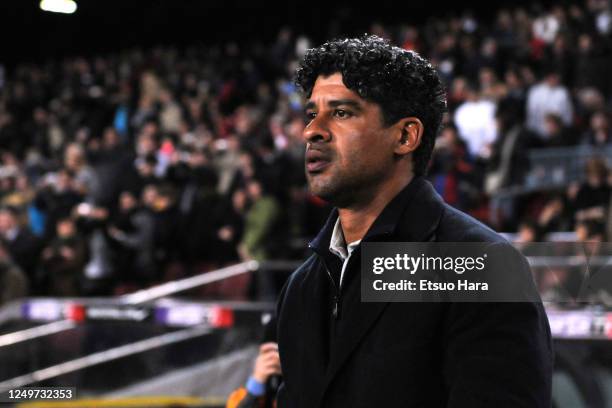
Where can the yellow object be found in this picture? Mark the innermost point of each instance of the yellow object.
(132, 402)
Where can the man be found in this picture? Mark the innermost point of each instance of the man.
(548, 96)
(22, 245)
(475, 120)
(373, 113)
(262, 385)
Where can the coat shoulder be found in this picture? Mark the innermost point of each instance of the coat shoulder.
(457, 226)
(302, 271)
(295, 280)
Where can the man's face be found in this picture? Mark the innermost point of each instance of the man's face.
(349, 152)
(65, 229)
(7, 221)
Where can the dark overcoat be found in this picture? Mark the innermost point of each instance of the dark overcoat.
(339, 352)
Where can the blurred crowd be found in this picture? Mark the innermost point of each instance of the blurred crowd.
(121, 171)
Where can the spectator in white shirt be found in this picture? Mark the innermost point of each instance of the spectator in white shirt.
(546, 97)
(475, 120)
(546, 27)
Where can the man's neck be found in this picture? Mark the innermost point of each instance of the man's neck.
(357, 219)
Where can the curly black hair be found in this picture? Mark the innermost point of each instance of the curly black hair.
(401, 82)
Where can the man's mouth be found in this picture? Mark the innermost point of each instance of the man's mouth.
(316, 166)
(316, 161)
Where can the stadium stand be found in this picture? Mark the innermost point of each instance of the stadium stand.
(146, 168)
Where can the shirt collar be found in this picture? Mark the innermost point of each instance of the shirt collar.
(337, 244)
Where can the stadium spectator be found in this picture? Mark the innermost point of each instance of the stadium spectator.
(56, 198)
(593, 196)
(260, 223)
(161, 201)
(13, 282)
(548, 96)
(528, 232)
(475, 120)
(132, 231)
(21, 244)
(232, 227)
(183, 130)
(62, 261)
(86, 180)
(452, 170)
(599, 132)
(546, 26)
(554, 215)
(561, 57)
(592, 63)
(111, 160)
(98, 273)
(556, 134)
(508, 163)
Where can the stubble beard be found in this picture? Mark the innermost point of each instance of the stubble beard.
(343, 191)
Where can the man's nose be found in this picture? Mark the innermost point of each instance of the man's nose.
(317, 131)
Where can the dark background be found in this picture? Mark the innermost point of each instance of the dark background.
(29, 34)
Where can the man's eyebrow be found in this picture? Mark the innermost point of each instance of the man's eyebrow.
(310, 105)
(335, 103)
(345, 102)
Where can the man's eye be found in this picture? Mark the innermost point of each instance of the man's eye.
(310, 115)
(341, 113)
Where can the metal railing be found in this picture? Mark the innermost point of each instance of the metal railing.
(181, 285)
(36, 332)
(104, 356)
(559, 319)
(564, 165)
(136, 298)
(12, 310)
(556, 167)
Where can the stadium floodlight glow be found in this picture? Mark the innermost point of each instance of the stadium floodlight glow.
(58, 6)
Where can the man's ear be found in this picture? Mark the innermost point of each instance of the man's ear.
(410, 131)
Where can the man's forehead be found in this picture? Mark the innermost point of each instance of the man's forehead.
(334, 79)
(330, 87)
